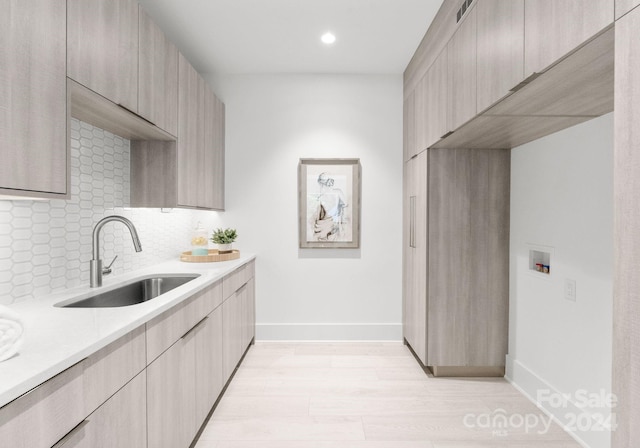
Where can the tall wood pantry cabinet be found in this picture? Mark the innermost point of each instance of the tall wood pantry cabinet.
(456, 260)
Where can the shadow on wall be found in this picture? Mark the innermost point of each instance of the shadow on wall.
(329, 253)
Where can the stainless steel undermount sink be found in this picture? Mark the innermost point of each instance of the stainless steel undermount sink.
(134, 292)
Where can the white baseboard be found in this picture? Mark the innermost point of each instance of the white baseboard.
(529, 383)
(328, 332)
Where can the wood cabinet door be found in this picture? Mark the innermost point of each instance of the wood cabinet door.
(121, 421)
(189, 145)
(436, 100)
(102, 48)
(555, 27)
(251, 311)
(158, 76)
(468, 265)
(41, 417)
(33, 99)
(211, 176)
(208, 370)
(171, 396)
(461, 61)
(624, 6)
(407, 252)
(626, 175)
(232, 335)
(500, 49)
(415, 256)
(408, 126)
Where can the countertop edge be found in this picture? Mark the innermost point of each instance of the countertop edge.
(32, 380)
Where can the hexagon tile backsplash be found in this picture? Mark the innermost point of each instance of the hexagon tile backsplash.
(46, 246)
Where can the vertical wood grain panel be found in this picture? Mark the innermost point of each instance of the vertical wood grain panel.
(626, 295)
(409, 126)
(189, 142)
(171, 397)
(232, 335)
(437, 88)
(468, 257)
(415, 298)
(555, 27)
(407, 253)
(208, 365)
(158, 76)
(461, 57)
(33, 98)
(153, 174)
(500, 49)
(102, 48)
(218, 160)
(420, 115)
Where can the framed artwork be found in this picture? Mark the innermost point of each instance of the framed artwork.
(329, 203)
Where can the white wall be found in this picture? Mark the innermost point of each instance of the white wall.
(272, 122)
(562, 196)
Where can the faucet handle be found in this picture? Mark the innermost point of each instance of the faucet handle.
(107, 270)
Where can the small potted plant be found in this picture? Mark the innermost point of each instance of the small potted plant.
(224, 239)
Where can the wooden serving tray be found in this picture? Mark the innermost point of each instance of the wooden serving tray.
(214, 255)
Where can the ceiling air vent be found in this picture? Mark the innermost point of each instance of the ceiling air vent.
(466, 4)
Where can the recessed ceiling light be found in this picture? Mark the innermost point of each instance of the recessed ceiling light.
(328, 38)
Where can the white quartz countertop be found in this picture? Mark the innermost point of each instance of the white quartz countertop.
(57, 338)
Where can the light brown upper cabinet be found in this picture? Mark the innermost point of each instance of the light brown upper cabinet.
(420, 116)
(212, 170)
(431, 105)
(462, 55)
(33, 99)
(190, 171)
(436, 100)
(191, 90)
(409, 126)
(553, 28)
(158, 76)
(200, 142)
(102, 48)
(500, 49)
(624, 6)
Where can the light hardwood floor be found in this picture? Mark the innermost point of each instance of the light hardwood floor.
(362, 395)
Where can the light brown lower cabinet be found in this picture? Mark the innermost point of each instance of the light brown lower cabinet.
(171, 395)
(238, 315)
(457, 260)
(232, 334)
(119, 422)
(55, 407)
(208, 368)
(153, 387)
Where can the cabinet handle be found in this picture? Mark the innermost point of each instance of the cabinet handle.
(524, 82)
(412, 221)
(446, 135)
(70, 434)
(196, 326)
(30, 391)
(137, 115)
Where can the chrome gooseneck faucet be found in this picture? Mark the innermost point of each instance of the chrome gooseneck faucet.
(96, 270)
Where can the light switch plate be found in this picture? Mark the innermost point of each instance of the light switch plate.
(570, 289)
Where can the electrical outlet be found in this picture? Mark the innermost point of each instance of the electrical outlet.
(570, 289)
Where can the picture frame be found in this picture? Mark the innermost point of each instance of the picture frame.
(329, 203)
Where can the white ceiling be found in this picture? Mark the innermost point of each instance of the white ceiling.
(283, 36)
